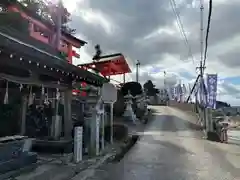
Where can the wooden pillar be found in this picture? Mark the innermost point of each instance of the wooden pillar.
(68, 124)
(24, 106)
(93, 139)
(31, 28)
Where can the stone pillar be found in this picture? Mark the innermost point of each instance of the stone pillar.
(68, 124)
(93, 135)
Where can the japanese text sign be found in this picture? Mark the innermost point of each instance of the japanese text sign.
(212, 90)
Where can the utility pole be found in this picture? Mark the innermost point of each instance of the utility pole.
(201, 67)
(202, 64)
(137, 70)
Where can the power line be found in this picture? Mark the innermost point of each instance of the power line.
(207, 33)
(181, 28)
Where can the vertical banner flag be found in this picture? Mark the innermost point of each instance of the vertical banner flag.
(180, 92)
(212, 90)
(176, 92)
(184, 92)
(172, 93)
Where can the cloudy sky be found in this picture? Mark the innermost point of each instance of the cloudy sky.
(147, 31)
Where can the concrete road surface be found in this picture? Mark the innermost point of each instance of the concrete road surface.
(172, 148)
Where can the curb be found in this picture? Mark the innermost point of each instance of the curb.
(112, 157)
(83, 175)
(125, 149)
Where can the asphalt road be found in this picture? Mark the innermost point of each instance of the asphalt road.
(173, 148)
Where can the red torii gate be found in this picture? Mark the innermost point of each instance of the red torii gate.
(107, 66)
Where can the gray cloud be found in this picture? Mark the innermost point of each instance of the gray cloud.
(138, 18)
(170, 80)
(135, 19)
(232, 90)
(231, 59)
(224, 21)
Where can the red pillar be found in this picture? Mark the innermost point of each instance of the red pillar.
(70, 55)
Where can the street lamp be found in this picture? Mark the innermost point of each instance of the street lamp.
(137, 70)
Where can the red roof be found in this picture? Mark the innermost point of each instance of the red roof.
(115, 64)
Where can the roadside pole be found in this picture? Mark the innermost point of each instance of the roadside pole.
(111, 123)
(109, 95)
(103, 129)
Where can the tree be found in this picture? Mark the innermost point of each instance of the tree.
(220, 104)
(150, 89)
(48, 11)
(148, 85)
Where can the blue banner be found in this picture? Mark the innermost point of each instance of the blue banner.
(212, 90)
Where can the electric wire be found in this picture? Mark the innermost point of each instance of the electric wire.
(181, 28)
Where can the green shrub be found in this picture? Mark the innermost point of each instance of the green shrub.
(120, 132)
